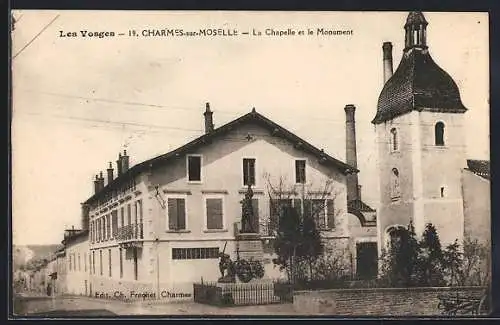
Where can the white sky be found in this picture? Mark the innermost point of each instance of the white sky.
(71, 95)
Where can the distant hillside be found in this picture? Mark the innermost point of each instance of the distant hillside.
(21, 254)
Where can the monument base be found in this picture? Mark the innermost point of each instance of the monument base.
(249, 246)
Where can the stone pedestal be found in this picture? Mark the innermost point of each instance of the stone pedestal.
(250, 246)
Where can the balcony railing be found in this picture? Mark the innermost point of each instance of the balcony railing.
(129, 232)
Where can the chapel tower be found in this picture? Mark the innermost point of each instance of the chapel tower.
(419, 127)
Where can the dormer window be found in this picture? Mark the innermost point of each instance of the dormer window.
(439, 134)
(394, 140)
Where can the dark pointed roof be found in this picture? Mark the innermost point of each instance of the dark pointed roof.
(418, 84)
(252, 117)
(415, 18)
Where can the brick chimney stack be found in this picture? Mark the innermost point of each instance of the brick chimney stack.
(125, 162)
(209, 122)
(110, 173)
(351, 155)
(101, 181)
(387, 54)
(119, 165)
(96, 184)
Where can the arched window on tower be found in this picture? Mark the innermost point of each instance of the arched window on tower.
(394, 140)
(395, 191)
(439, 134)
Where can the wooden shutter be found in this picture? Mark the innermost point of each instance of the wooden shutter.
(318, 209)
(252, 172)
(274, 212)
(330, 212)
(255, 221)
(214, 213)
(181, 214)
(172, 214)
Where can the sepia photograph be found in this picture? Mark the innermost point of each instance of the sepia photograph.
(250, 163)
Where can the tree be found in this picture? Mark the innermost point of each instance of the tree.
(400, 259)
(298, 213)
(430, 259)
(469, 266)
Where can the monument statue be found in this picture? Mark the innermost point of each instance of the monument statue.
(247, 217)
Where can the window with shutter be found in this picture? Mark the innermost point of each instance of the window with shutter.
(176, 214)
(214, 211)
(248, 171)
(114, 220)
(318, 212)
(330, 211)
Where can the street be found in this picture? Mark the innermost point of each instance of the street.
(88, 307)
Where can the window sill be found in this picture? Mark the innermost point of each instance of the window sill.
(195, 182)
(254, 190)
(214, 230)
(181, 231)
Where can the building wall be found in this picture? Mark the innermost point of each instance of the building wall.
(423, 169)
(77, 266)
(396, 212)
(477, 207)
(441, 167)
(222, 176)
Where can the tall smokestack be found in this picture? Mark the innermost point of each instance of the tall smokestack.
(125, 161)
(110, 173)
(387, 51)
(209, 121)
(119, 165)
(350, 154)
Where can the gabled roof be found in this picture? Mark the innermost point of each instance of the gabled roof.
(252, 117)
(479, 167)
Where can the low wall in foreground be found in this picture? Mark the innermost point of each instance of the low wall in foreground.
(376, 301)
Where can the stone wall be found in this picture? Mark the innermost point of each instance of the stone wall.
(375, 301)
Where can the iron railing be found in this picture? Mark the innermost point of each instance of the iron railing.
(129, 232)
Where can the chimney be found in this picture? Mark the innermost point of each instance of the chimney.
(119, 165)
(101, 181)
(124, 161)
(85, 216)
(96, 184)
(209, 122)
(351, 158)
(387, 50)
(110, 173)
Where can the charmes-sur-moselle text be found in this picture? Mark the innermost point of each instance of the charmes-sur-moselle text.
(210, 32)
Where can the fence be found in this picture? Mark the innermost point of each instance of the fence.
(238, 294)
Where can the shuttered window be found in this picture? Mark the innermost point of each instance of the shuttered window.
(176, 214)
(330, 213)
(248, 171)
(214, 208)
(114, 221)
(277, 209)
